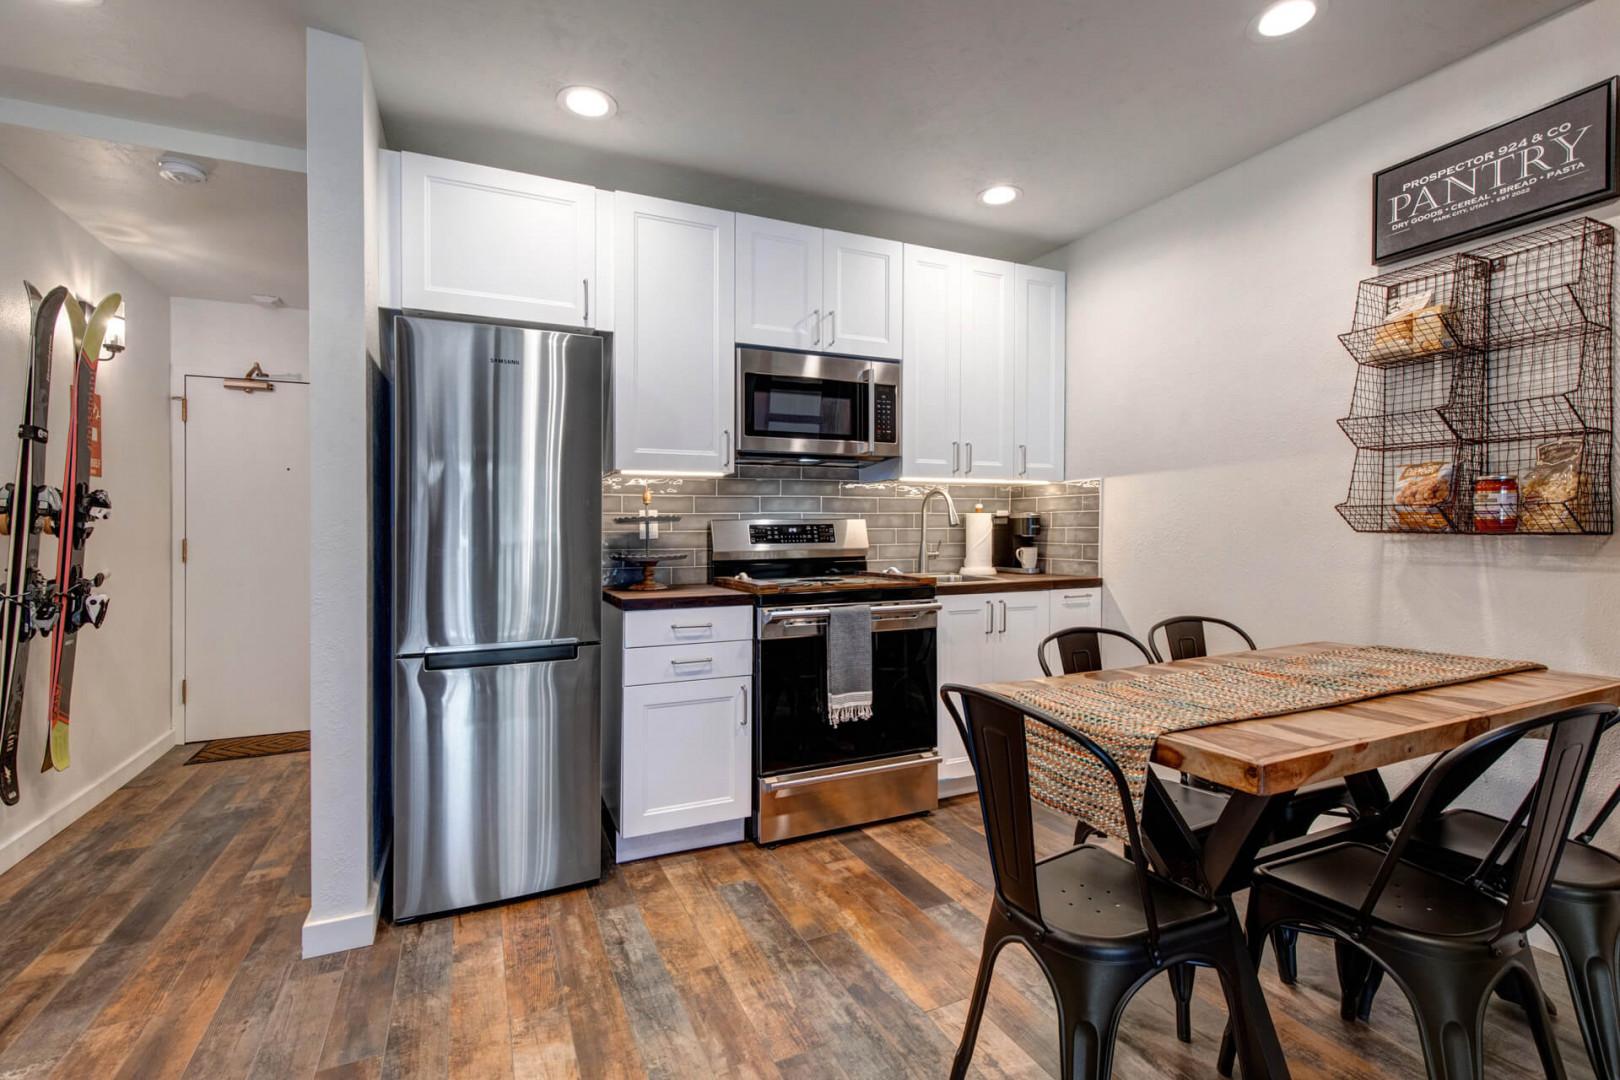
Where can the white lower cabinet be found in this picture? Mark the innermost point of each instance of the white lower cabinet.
(984, 637)
(677, 753)
(687, 755)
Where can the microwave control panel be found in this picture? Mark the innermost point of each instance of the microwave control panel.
(885, 415)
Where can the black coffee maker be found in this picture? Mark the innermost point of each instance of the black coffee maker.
(1010, 535)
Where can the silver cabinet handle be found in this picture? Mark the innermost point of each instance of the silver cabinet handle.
(989, 618)
(969, 469)
(832, 333)
(692, 626)
(956, 457)
(1023, 459)
(587, 283)
(699, 660)
(742, 720)
(815, 320)
(1079, 596)
(1003, 604)
(726, 434)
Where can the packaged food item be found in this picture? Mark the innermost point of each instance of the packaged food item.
(1548, 486)
(1393, 339)
(1496, 504)
(1429, 330)
(1422, 490)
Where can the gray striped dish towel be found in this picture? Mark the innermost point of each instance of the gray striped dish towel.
(849, 663)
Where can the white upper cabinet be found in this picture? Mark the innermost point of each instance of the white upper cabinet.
(930, 375)
(989, 447)
(778, 284)
(862, 295)
(1038, 372)
(495, 244)
(674, 326)
(804, 288)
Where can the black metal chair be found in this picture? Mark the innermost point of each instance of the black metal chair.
(1100, 925)
(1184, 636)
(1080, 649)
(1447, 942)
(1581, 913)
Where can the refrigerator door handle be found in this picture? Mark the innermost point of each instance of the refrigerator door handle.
(521, 652)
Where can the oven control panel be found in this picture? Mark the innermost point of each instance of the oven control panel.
(806, 532)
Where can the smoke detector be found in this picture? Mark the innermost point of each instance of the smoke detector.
(179, 170)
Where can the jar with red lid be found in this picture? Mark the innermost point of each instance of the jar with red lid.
(1496, 504)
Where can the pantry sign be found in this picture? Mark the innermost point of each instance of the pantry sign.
(1558, 158)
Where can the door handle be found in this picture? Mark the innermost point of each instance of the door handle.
(1003, 604)
(989, 618)
(742, 718)
(587, 283)
(815, 320)
(1023, 459)
(726, 434)
(969, 470)
(832, 332)
(956, 457)
(869, 377)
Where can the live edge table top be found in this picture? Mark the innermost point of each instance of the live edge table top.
(1283, 753)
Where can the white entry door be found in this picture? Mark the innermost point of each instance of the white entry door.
(246, 559)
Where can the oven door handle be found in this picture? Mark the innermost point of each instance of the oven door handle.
(878, 613)
(770, 783)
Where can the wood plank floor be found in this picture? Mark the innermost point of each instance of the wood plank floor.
(158, 936)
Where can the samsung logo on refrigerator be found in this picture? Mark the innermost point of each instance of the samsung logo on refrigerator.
(508, 360)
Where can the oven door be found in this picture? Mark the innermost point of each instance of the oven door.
(791, 689)
(801, 405)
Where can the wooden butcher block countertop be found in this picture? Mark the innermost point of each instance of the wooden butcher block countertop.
(1020, 583)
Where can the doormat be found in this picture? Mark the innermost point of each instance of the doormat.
(286, 742)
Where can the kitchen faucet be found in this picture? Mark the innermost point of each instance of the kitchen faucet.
(922, 541)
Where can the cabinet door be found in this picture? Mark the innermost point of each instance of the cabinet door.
(1022, 620)
(778, 284)
(1038, 372)
(989, 451)
(930, 375)
(862, 294)
(966, 655)
(687, 755)
(673, 385)
(495, 244)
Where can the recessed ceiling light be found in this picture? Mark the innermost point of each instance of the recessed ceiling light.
(999, 194)
(179, 170)
(587, 101)
(1284, 17)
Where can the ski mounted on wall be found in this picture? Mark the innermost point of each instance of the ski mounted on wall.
(81, 507)
(27, 507)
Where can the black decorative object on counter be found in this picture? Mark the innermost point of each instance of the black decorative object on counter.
(1494, 362)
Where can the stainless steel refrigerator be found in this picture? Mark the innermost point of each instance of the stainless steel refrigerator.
(497, 524)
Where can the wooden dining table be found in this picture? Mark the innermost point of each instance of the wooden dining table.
(1262, 762)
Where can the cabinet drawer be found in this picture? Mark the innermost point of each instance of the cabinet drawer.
(688, 626)
(688, 663)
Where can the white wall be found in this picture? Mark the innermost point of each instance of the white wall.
(212, 337)
(343, 136)
(121, 688)
(1205, 381)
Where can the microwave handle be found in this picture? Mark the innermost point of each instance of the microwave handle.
(869, 377)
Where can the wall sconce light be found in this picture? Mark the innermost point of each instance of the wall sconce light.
(113, 343)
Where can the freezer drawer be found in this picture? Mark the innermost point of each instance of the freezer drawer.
(497, 789)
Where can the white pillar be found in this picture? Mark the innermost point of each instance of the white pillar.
(343, 135)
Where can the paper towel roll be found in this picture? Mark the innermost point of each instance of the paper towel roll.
(978, 544)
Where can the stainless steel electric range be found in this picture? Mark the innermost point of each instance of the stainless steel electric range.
(810, 776)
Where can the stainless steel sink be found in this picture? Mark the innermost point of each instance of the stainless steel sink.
(956, 579)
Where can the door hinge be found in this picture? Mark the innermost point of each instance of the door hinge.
(185, 404)
(184, 549)
(181, 398)
(182, 691)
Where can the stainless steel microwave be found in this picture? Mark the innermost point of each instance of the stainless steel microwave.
(800, 407)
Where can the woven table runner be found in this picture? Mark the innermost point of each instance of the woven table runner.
(1126, 716)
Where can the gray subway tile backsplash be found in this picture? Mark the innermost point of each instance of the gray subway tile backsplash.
(891, 510)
